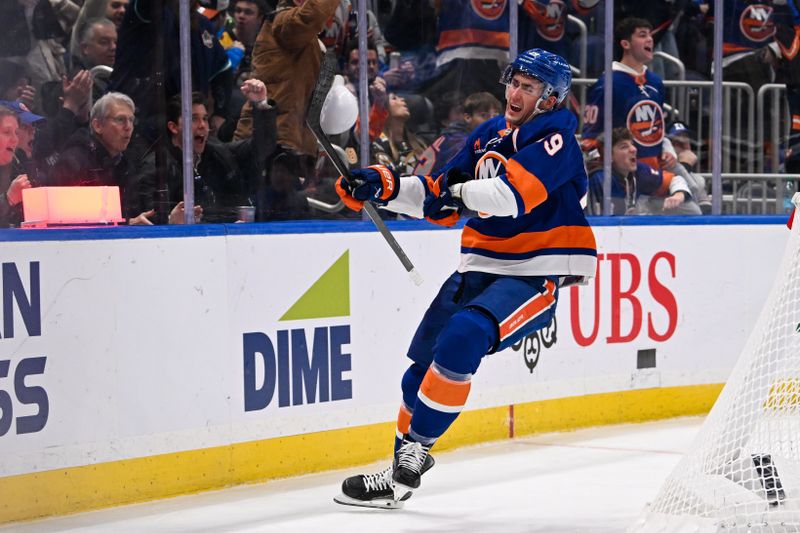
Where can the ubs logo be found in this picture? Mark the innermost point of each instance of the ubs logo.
(646, 123)
(756, 22)
(489, 9)
(490, 165)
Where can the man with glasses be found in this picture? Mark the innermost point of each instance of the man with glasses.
(96, 155)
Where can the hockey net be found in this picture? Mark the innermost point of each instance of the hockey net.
(742, 473)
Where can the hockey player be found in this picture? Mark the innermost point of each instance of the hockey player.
(524, 174)
(638, 96)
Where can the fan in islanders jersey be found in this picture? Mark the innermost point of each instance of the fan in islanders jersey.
(523, 173)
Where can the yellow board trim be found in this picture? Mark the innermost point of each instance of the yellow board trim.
(84, 488)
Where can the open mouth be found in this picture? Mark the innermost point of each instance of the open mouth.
(515, 108)
(648, 49)
(200, 139)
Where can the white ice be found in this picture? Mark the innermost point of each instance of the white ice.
(594, 480)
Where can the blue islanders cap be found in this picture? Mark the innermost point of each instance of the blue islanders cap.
(25, 115)
(679, 129)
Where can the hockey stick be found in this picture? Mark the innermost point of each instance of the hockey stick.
(324, 83)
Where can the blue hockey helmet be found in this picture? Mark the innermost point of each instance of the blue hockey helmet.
(549, 68)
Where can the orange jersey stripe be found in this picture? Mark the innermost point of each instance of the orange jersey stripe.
(533, 307)
(452, 38)
(558, 237)
(796, 122)
(728, 49)
(444, 391)
(403, 419)
(663, 190)
(790, 53)
(527, 185)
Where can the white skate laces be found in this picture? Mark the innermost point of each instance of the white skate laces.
(379, 481)
(412, 456)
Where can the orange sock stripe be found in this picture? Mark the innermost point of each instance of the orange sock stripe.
(444, 391)
(403, 419)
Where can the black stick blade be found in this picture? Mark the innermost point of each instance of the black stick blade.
(324, 83)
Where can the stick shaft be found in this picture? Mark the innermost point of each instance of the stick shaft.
(372, 213)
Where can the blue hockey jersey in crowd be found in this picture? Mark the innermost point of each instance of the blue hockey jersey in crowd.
(472, 29)
(638, 102)
(542, 166)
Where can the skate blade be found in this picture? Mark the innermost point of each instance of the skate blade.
(378, 503)
(402, 492)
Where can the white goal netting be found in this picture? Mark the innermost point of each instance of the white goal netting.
(742, 473)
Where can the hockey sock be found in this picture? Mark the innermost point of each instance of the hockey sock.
(459, 349)
(410, 383)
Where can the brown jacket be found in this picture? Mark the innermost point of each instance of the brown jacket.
(287, 57)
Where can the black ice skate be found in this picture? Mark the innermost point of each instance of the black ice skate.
(374, 490)
(409, 463)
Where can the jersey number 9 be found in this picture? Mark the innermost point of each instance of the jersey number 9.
(553, 144)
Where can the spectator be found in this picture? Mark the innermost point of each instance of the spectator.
(398, 148)
(11, 182)
(15, 83)
(342, 27)
(472, 47)
(476, 109)
(134, 69)
(282, 198)
(96, 156)
(91, 10)
(663, 16)
(638, 96)
(248, 16)
(287, 58)
(115, 11)
(98, 44)
(679, 136)
(238, 41)
(225, 174)
(636, 189)
(62, 122)
(37, 29)
(26, 132)
(377, 96)
(545, 25)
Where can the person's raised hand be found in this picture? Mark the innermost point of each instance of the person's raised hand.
(14, 192)
(255, 90)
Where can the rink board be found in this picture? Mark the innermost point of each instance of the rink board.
(139, 364)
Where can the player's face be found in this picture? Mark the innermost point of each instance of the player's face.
(522, 94)
(623, 157)
(8, 139)
(115, 129)
(640, 45)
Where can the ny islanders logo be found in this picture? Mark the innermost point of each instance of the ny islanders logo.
(756, 22)
(489, 9)
(646, 123)
(550, 22)
(490, 165)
